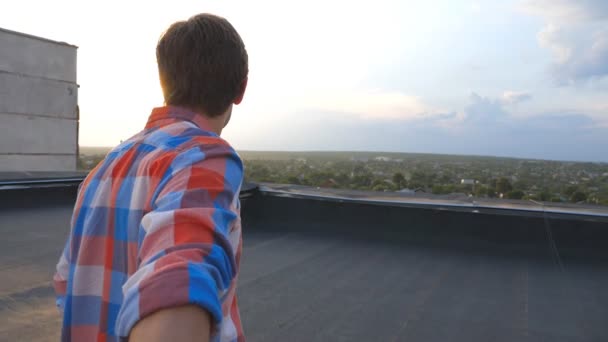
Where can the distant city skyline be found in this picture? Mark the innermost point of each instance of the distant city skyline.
(514, 78)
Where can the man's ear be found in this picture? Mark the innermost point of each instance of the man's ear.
(243, 87)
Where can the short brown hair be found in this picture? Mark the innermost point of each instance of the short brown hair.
(202, 63)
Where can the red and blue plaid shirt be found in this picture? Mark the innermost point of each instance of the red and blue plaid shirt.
(156, 225)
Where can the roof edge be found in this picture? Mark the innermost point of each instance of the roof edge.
(532, 210)
(47, 40)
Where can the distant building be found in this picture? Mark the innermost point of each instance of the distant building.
(407, 191)
(38, 104)
(467, 181)
(383, 159)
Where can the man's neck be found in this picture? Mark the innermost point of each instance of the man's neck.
(217, 123)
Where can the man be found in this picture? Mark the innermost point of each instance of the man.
(153, 254)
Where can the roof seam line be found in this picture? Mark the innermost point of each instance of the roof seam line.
(39, 116)
(21, 74)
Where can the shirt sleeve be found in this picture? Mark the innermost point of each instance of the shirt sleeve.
(62, 272)
(60, 279)
(185, 256)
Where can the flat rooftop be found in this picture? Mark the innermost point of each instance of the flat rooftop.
(454, 202)
(319, 269)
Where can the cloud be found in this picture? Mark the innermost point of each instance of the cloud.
(578, 55)
(485, 125)
(396, 106)
(482, 110)
(554, 38)
(380, 105)
(576, 32)
(488, 126)
(562, 122)
(568, 11)
(513, 97)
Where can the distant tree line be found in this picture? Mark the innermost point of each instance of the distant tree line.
(545, 181)
(438, 180)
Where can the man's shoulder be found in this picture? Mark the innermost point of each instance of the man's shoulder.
(183, 144)
(176, 146)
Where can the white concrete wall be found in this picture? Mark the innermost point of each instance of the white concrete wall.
(23, 134)
(36, 162)
(38, 104)
(37, 57)
(35, 96)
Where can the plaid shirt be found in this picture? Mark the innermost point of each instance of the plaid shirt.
(156, 225)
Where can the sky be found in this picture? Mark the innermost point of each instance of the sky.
(517, 78)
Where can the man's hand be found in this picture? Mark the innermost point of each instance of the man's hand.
(179, 324)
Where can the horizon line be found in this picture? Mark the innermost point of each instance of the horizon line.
(402, 152)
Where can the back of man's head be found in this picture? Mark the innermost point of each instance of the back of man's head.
(202, 64)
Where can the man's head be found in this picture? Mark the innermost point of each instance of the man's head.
(203, 65)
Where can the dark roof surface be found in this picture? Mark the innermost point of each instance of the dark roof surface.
(329, 271)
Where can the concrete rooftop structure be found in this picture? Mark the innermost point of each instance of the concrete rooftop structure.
(38, 104)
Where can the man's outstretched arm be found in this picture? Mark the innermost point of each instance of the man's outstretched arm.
(187, 323)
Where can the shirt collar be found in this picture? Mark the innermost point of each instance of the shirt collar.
(168, 114)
